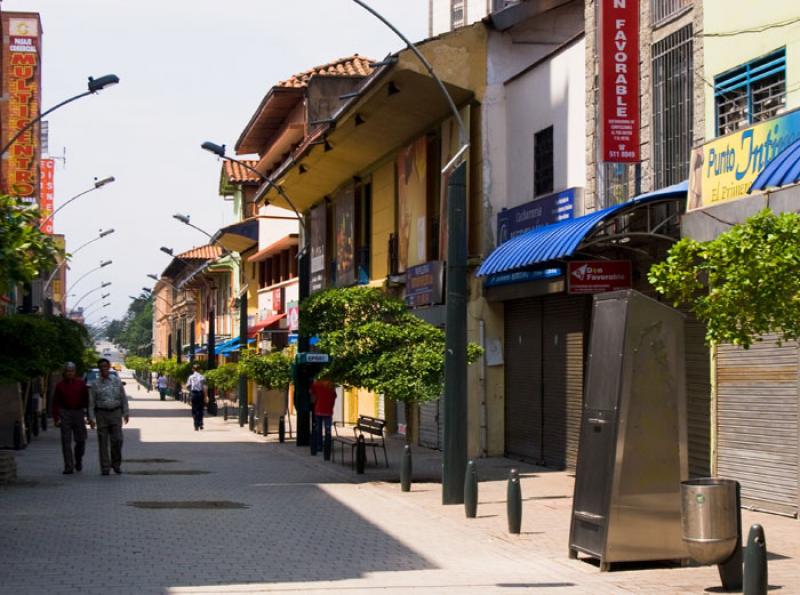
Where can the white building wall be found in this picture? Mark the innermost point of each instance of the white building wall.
(550, 94)
(274, 223)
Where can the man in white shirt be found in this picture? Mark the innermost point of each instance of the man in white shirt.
(197, 388)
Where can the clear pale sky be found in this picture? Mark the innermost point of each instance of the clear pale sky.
(190, 71)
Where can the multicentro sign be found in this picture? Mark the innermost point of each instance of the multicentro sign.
(597, 276)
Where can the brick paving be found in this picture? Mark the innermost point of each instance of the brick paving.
(308, 526)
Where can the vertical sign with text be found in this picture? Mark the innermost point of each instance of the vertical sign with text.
(46, 193)
(319, 223)
(618, 48)
(22, 90)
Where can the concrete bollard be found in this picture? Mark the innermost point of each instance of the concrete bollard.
(282, 429)
(361, 455)
(514, 503)
(755, 563)
(405, 469)
(471, 490)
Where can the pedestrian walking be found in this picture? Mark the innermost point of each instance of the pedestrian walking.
(70, 402)
(108, 407)
(197, 389)
(323, 396)
(161, 384)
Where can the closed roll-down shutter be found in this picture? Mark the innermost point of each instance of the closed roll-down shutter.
(698, 398)
(523, 371)
(429, 435)
(564, 331)
(757, 417)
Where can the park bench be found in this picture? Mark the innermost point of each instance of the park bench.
(371, 428)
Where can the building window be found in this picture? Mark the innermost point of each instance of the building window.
(458, 13)
(664, 10)
(750, 93)
(672, 107)
(543, 162)
(615, 183)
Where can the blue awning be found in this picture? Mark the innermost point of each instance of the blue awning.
(560, 240)
(233, 346)
(220, 346)
(783, 170)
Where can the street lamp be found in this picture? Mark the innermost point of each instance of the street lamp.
(156, 278)
(72, 255)
(94, 85)
(91, 291)
(103, 263)
(97, 185)
(102, 297)
(86, 312)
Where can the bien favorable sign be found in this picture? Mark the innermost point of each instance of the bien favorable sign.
(597, 276)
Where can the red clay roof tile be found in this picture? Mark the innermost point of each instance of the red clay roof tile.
(237, 174)
(354, 65)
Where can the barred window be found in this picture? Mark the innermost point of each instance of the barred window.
(750, 93)
(458, 13)
(663, 10)
(543, 162)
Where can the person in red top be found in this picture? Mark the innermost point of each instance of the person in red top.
(323, 395)
(70, 400)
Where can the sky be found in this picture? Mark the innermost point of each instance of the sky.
(190, 71)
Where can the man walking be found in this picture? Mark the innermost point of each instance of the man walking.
(323, 395)
(70, 400)
(197, 389)
(108, 407)
(161, 383)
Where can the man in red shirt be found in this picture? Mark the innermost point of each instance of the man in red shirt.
(70, 400)
(323, 395)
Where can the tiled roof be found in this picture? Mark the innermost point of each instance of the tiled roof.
(236, 174)
(207, 252)
(354, 65)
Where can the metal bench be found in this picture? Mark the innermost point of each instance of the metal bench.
(371, 428)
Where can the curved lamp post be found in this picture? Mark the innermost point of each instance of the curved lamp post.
(91, 291)
(72, 255)
(97, 185)
(96, 309)
(156, 278)
(93, 302)
(103, 263)
(94, 85)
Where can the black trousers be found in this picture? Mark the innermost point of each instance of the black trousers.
(197, 408)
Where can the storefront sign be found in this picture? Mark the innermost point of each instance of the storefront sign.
(21, 86)
(344, 235)
(619, 80)
(277, 300)
(424, 284)
(724, 168)
(318, 235)
(511, 277)
(597, 276)
(47, 192)
(542, 211)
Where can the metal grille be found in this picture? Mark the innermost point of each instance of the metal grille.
(543, 161)
(672, 107)
(458, 13)
(666, 9)
(751, 93)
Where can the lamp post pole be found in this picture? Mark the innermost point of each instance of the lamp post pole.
(91, 291)
(97, 185)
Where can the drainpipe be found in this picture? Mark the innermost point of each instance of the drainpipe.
(484, 391)
(714, 410)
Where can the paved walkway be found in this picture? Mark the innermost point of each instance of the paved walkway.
(277, 520)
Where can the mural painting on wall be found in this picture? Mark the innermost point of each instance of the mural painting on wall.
(345, 212)
(411, 195)
(318, 223)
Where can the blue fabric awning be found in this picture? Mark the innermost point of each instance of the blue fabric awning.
(220, 346)
(560, 240)
(233, 346)
(783, 170)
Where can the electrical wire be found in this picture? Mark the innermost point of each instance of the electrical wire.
(759, 29)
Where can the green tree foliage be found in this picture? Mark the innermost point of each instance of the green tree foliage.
(179, 372)
(743, 284)
(225, 378)
(32, 345)
(25, 251)
(135, 330)
(377, 344)
(272, 371)
(139, 364)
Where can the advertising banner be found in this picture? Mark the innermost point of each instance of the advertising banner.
(425, 284)
(344, 234)
(293, 316)
(597, 276)
(21, 86)
(542, 211)
(412, 197)
(318, 236)
(723, 169)
(47, 192)
(618, 48)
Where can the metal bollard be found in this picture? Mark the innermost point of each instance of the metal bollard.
(514, 503)
(225, 412)
(264, 424)
(361, 455)
(34, 424)
(282, 429)
(44, 421)
(471, 490)
(405, 469)
(251, 420)
(17, 435)
(755, 562)
(327, 444)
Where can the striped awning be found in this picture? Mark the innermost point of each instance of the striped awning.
(560, 240)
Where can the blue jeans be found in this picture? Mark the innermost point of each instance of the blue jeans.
(319, 422)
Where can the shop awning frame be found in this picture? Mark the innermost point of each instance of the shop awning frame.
(562, 240)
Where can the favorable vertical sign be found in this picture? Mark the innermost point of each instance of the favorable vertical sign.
(46, 193)
(618, 47)
(22, 89)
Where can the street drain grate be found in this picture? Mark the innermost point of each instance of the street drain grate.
(151, 461)
(167, 472)
(188, 504)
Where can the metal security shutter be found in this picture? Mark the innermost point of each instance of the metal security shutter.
(758, 423)
(698, 398)
(523, 378)
(565, 324)
(429, 435)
